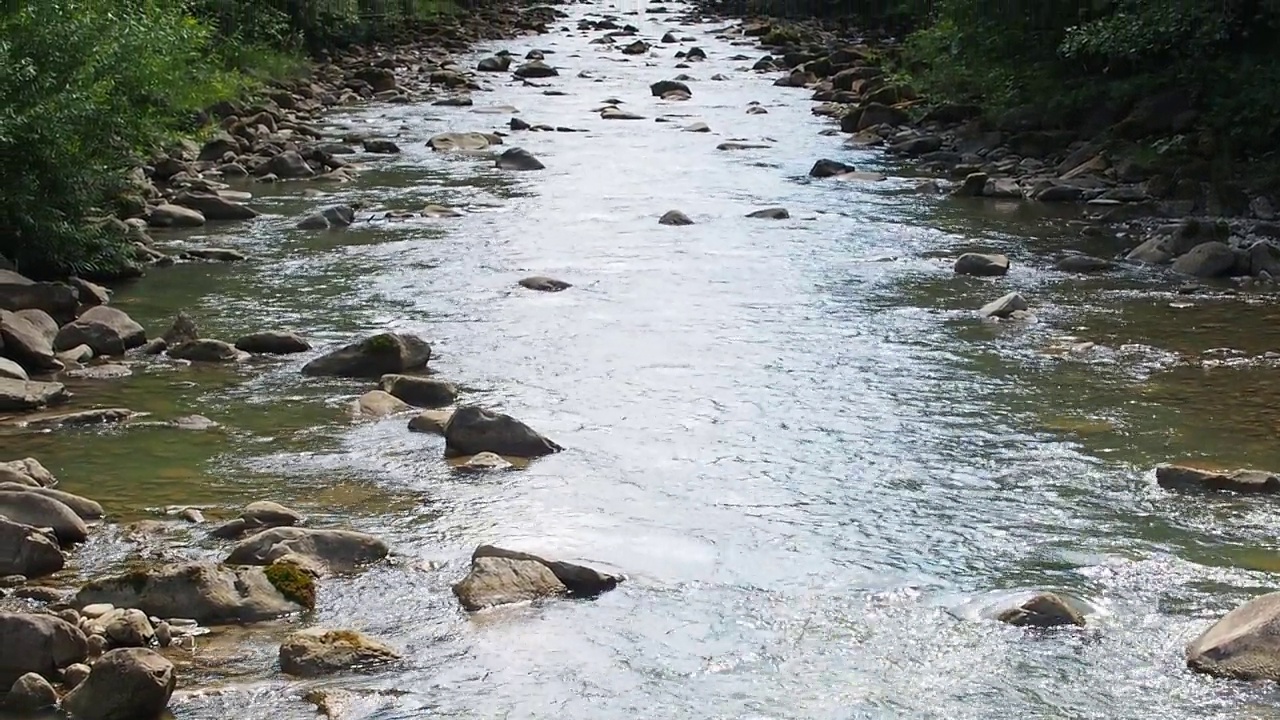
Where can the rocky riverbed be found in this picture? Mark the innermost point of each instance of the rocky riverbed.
(588, 374)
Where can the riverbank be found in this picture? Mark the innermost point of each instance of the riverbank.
(792, 432)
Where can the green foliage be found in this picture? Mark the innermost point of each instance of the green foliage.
(84, 86)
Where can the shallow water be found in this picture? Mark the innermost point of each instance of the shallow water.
(812, 460)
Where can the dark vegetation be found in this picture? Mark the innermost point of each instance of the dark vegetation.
(89, 87)
(1188, 81)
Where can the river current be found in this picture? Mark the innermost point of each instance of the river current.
(815, 463)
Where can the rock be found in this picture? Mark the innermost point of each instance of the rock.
(74, 674)
(106, 330)
(213, 206)
(1243, 645)
(1207, 260)
(216, 254)
(1083, 264)
(10, 370)
(18, 293)
(698, 127)
(637, 47)
(1005, 306)
(770, 214)
(535, 69)
(1183, 477)
(430, 421)
(318, 651)
(83, 353)
(381, 147)
(500, 581)
(1043, 611)
(123, 684)
(662, 87)
(97, 645)
(826, 168)
(982, 265)
(39, 511)
(288, 165)
(272, 343)
(473, 430)
(40, 644)
(378, 404)
(334, 550)
(182, 330)
(612, 112)
(496, 63)
(97, 610)
(129, 628)
(104, 371)
(29, 694)
(579, 580)
(83, 507)
(420, 391)
(373, 357)
(269, 514)
(669, 38)
(1170, 242)
(164, 634)
(446, 142)
(27, 551)
(202, 591)
(25, 342)
(40, 593)
(974, 185)
(191, 515)
(485, 461)
(518, 159)
(206, 350)
(544, 284)
(27, 471)
(674, 217)
(26, 395)
(175, 216)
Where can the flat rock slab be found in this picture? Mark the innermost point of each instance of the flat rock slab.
(1184, 477)
(27, 395)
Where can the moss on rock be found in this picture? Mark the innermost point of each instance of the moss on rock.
(294, 583)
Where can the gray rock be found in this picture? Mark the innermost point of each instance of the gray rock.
(124, 684)
(40, 644)
(1083, 264)
(10, 370)
(273, 343)
(381, 147)
(518, 159)
(535, 69)
(579, 581)
(1243, 645)
(770, 214)
(129, 628)
(27, 551)
(206, 350)
(675, 218)
(29, 694)
(662, 87)
(106, 330)
(373, 357)
(420, 391)
(335, 550)
(213, 206)
(169, 215)
(74, 674)
(496, 581)
(18, 293)
(1044, 610)
(484, 462)
(1207, 260)
(270, 514)
(496, 63)
(982, 265)
(1005, 306)
(39, 511)
(25, 342)
(378, 404)
(430, 421)
(447, 142)
(27, 471)
(164, 634)
(319, 651)
(473, 430)
(26, 395)
(288, 165)
(1186, 478)
(87, 509)
(544, 284)
(203, 591)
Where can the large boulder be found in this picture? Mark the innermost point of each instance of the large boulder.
(84, 507)
(1207, 260)
(472, 430)
(518, 159)
(335, 550)
(420, 391)
(25, 395)
(202, 591)
(318, 651)
(17, 292)
(124, 684)
(1243, 645)
(213, 206)
(373, 357)
(25, 550)
(40, 644)
(106, 330)
(36, 510)
(25, 341)
(502, 581)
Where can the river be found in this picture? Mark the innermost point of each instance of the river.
(812, 459)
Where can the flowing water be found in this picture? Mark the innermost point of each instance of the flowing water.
(814, 462)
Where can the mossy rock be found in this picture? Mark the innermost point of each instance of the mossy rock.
(384, 343)
(294, 583)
